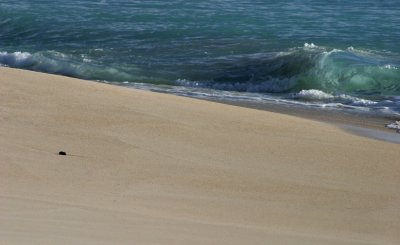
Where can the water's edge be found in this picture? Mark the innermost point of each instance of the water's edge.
(355, 122)
(372, 133)
(360, 124)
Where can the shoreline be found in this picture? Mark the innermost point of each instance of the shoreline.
(156, 168)
(358, 123)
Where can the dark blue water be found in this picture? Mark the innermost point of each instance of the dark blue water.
(335, 54)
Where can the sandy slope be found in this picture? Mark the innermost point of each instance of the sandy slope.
(147, 168)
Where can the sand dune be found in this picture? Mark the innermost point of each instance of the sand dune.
(148, 168)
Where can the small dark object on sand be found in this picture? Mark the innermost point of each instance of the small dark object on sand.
(62, 153)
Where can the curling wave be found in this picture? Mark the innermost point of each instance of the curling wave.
(310, 67)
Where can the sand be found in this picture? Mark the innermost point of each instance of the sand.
(149, 168)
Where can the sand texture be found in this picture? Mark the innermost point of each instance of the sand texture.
(148, 168)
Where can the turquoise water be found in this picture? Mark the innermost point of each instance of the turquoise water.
(333, 54)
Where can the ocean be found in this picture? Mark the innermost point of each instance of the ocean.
(335, 55)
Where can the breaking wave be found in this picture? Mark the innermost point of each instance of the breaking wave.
(307, 74)
(310, 67)
(58, 63)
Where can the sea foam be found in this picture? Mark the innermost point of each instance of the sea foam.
(313, 94)
(395, 126)
(16, 59)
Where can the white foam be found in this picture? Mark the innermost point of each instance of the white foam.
(395, 125)
(17, 59)
(318, 95)
(361, 102)
(390, 67)
(185, 82)
(310, 45)
(313, 94)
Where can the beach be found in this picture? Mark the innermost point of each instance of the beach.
(152, 168)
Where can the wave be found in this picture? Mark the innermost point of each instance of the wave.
(307, 74)
(308, 67)
(62, 64)
(351, 71)
(16, 59)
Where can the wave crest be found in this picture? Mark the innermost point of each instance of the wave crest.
(62, 64)
(310, 67)
(16, 59)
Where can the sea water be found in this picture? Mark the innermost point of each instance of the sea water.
(342, 55)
